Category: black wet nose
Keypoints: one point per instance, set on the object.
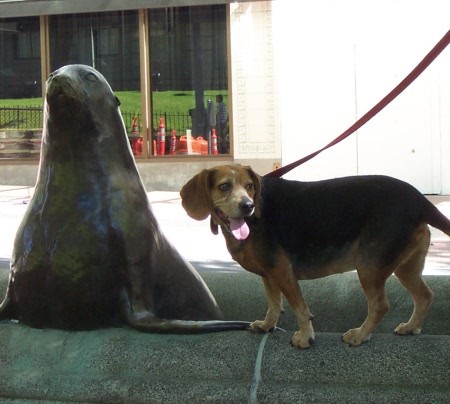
(246, 207)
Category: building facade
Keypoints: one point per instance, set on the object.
(166, 64)
(293, 76)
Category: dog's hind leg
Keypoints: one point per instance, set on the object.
(373, 284)
(409, 273)
(275, 307)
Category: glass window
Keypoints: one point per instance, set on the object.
(109, 42)
(20, 88)
(189, 83)
(188, 63)
(20, 67)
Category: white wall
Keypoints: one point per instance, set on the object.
(336, 60)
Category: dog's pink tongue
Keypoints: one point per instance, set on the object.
(239, 229)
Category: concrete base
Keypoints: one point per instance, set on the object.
(120, 365)
(158, 174)
(123, 365)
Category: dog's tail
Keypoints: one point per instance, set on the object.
(434, 217)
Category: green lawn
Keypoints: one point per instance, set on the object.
(181, 101)
(21, 102)
(172, 103)
(177, 102)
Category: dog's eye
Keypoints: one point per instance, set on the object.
(249, 187)
(225, 186)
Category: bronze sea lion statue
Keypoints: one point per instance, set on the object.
(88, 252)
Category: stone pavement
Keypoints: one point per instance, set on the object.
(123, 365)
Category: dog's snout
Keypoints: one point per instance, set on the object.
(247, 207)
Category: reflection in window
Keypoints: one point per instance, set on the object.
(188, 59)
(109, 42)
(20, 58)
(20, 88)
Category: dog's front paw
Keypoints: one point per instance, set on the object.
(303, 339)
(354, 337)
(407, 329)
(261, 326)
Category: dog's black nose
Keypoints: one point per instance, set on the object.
(246, 207)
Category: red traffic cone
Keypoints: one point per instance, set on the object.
(135, 137)
(161, 138)
(214, 142)
(173, 141)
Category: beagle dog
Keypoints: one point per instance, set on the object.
(287, 231)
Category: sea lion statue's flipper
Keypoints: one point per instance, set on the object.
(7, 309)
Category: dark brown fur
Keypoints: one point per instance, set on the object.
(304, 230)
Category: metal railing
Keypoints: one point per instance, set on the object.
(172, 121)
(26, 118)
(21, 128)
(30, 118)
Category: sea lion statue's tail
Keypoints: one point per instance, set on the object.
(162, 326)
(147, 322)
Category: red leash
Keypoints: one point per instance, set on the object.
(419, 69)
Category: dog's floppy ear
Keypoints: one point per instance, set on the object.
(196, 196)
(257, 185)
